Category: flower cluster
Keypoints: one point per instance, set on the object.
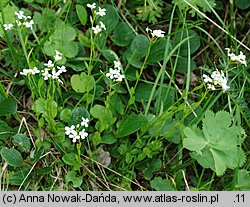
(21, 20)
(101, 12)
(217, 79)
(50, 70)
(155, 33)
(78, 131)
(241, 58)
(115, 73)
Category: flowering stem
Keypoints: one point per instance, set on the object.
(23, 47)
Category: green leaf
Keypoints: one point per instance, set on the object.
(139, 45)
(194, 42)
(157, 50)
(5, 130)
(153, 166)
(12, 157)
(243, 182)
(21, 141)
(130, 124)
(216, 146)
(123, 34)
(77, 114)
(81, 13)
(182, 63)
(96, 138)
(160, 184)
(3, 3)
(72, 176)
(110, 55)
(8, 106)
(70, 159)
(65, 115)
(108, 139)
(143, 92)
(242, 4)
(82, 83)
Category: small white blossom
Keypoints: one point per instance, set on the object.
(35, 70)
(83, 134)
(115, 74)
(61, 69)
(20, 15)
(58, 55)
(101, 12)
(49, 64)
(102, 25)
(91, 6)
(117, 64)
(211, 87)
(207, 78)
(8, 26)
(28, 24)
(120, 77)
(74, 136)
(19, 23)
(54, 74)
(85, 122)
(158, 33)
(46, 74)
(69, 130)
(97, 29)
(26, 72)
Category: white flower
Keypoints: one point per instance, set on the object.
(211, 87)
(102, 25)
(20, 15)
(207, 78)
(111, 73)
(19, 23)
(35, 70)
(49, 64)
(83, 134)
(91, 6)
(120, 77)
(54, 74)
(85, 122)
(224, 87)
(62, 69)
(8, 26)
(46, 74)
(26, 72)
(58, 55)
(28, 24)
(158, 33)
(241, 58)
(101, 12)
(97, 29)
(69, 130)
(74, 137)
(117, 64)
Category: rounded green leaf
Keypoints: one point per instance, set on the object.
(82, 83)
(21, 141)
(12, 157)
(77, 114)
(160, 184)
(108, 139)
(65, 115)
(242, 4)
(139, 45)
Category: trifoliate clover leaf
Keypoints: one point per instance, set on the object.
(217, 145)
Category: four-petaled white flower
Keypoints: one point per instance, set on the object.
(46, 75)
(102, 25)
(97, 29)
(91, 6)
(62, 69)
(117, 64)
(115, 74)
(101, 12)
(20, 15)
(35, 70)
(8, 26)
(83, 134)
(58, 55)
(50, 64)
(85, 122)
(28, 24)
(69, 130)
